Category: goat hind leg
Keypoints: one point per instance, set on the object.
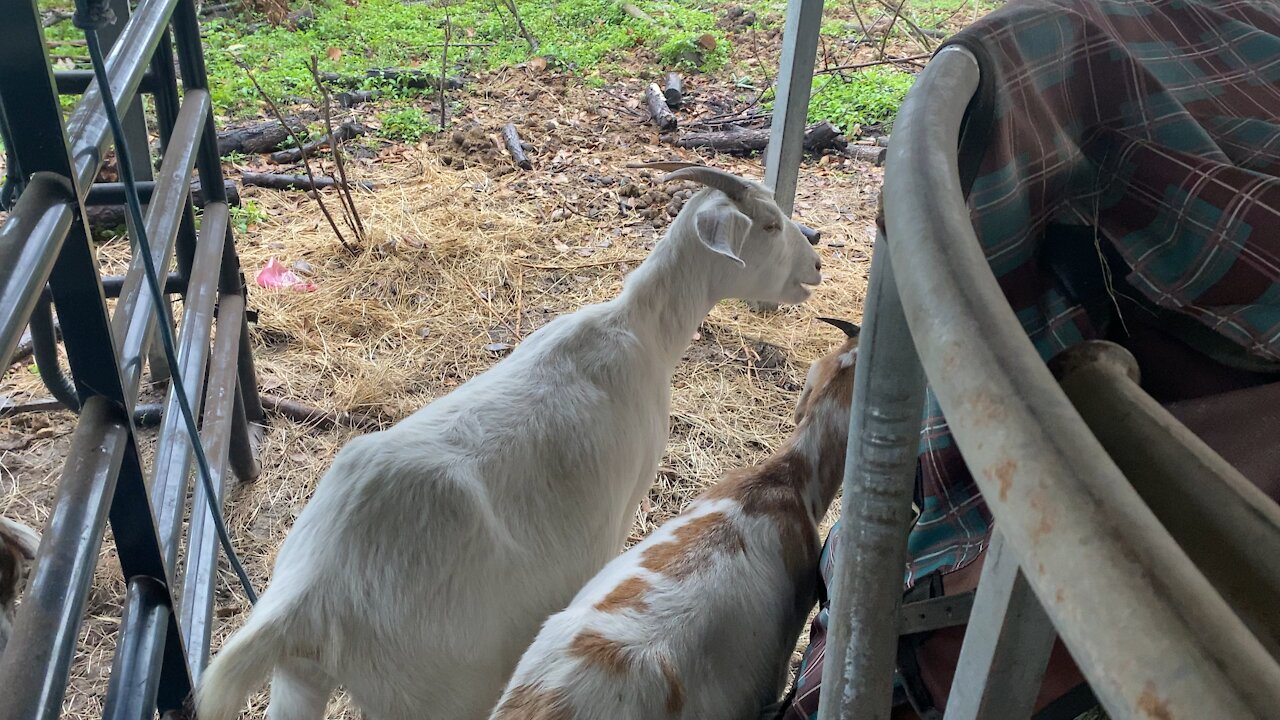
(300, 690)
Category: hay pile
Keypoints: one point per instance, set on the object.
(462, 261)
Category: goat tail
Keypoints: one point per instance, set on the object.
(243, 664)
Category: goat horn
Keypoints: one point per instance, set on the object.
(728, 183)
(850, 329)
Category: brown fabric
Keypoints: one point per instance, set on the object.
(1244, 428)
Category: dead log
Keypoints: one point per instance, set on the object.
(109, 216)
(404, 77)
(514, 146)
(818, 137)
(292, 182)
(315, 417)
(351, 98)
(343, 132)
(674, 91)
(259, 137)
(658, 110)
(873, 153)
(636, 13)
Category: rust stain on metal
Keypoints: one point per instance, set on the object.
(1059, 597)
(1045, 526)
(1151, 705)
(1003, 474)
(988, 409)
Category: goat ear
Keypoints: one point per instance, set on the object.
(719, 225)
(22, 538)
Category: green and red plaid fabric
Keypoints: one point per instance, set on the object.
(1156, 126)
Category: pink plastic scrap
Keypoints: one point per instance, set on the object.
(276, 275)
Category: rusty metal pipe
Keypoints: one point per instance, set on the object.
(1148, 630)
(1229, 528)
(884, 434)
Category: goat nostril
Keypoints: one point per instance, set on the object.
(817, 264)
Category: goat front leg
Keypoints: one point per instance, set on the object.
(300, 690)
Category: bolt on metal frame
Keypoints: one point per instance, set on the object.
(45, 247)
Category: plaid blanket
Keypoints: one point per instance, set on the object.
(1153, 129)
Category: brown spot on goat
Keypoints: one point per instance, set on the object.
(628, 595)
(596, 650)
(773, 490)
(695, 545)
(533, 702)
(675, 688)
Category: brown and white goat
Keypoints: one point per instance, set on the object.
(18, 545)
(699, 619)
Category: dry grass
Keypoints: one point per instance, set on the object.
(462, 256)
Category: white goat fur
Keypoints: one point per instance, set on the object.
(431, 552)
(18, 545)
(700, 618)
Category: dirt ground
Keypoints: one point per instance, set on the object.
(466, 256)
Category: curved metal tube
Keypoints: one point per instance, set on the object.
(1147, 629)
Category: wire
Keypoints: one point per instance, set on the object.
(89, 15)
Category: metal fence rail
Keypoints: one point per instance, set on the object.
(46, 250)
(1147, 627)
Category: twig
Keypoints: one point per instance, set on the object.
(658, 110)
(873, 63)
(350, 214)
(275, 110)
(519, 303)
(515, 13)
(444, 66)
(567, 268)
(315, 417)
(514, 146)
(920, 34)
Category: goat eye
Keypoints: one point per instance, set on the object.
(774, 227)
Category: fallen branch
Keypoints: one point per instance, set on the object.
(9, 409)
(820, 136)
(674, 91)
(315, 417)
(351, 98)
(444, 68)
(342, 133)
(109, 216)
(873, 63)
(514, 146)
(636, 13)
(293, 182)
(658, 110)
(921, 34)
(259, 137)
(404, 77)
(872, 153)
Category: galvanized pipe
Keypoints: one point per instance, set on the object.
(42, 212)
(132, 323)
(172, 465)
(132, 687)
(884, 435)
(1006, 645)
(1225, 523)
(76, 82)
(48, 621)
(220, 421)
(1147, 629)
(87, 127)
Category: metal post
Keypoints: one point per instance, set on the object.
(1006, 646)
(884, 435)
(791, 100)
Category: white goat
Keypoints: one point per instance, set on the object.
(700, 618)
(18, 545)
(431, 552)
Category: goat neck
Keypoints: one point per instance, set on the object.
(669, 294)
